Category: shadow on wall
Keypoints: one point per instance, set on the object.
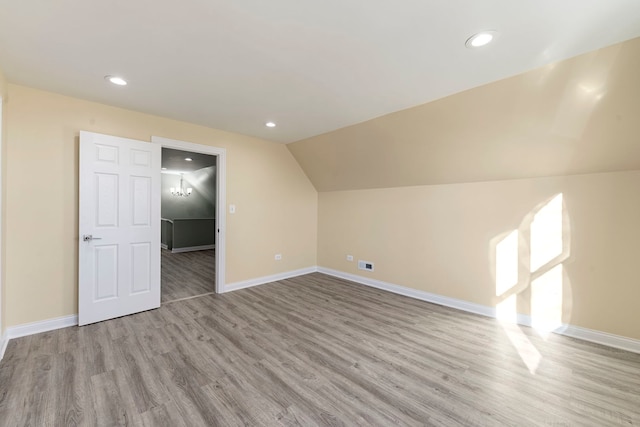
(530, 277)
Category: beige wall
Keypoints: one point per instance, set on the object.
(3, 166)
(575, 119)
(575, 116)
(442, 239)
(429, 192)
(276, 203)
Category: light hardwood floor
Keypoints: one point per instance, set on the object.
(309, 351)
(187, 274)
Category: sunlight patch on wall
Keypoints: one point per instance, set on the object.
(507, 263)
(584, 92)
(546, 233)
(546, 301)
(506, 310)
(528, 265)
(576, 107)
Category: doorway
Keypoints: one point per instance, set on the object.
(188, 199)
(193, 219)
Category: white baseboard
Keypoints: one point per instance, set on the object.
(164, 246)
(4, 340)
(36, 328)
(229, 287)
(63, 322)
(598, 337)
(603, 338)
(585, 334)
(42, 326)
(413, 293)
(192, 248)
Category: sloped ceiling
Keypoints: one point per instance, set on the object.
(576, 116)
(310, 66)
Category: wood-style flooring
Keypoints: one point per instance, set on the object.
(187, 274)
(312, 351)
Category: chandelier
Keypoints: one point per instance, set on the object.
(181, 191)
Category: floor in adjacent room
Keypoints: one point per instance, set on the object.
(187, 274)
(313, 350)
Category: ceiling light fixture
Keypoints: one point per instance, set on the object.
(480, 39)
(116, 80)
(182, 192)
(270, 124)
(188, 159)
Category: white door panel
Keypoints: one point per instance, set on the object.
(119, 268)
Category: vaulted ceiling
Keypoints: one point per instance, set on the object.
(576, 116)
(311, 67)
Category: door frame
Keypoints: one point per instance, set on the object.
(3, 338)
(221, 196)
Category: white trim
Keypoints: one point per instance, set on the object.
(3, 337)
(413, 293)
(41, 326)
(164, 246)
(35, 328)
(268, 279)
(192, 248)
(603, 338)
(221, 195)
(63, 322)
(4, 340)
(578, 332)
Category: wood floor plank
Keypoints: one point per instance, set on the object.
(187, 274)
(313, 351)
(294, 417)
(72, 402)
(185, 387)
(112, 400)
(165, 415)
(146, 388)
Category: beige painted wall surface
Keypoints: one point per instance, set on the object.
(443, 238)
(576, 116)
(276, 203)
(3, 94)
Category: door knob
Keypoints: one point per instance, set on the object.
(89, 237)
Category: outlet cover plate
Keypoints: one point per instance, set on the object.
(365, 265)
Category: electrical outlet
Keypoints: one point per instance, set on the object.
(365, 265)
(349, 257)
(278, 257)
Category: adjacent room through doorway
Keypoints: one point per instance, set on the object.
(188, 233)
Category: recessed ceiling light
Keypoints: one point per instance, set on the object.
(188, 159)
(270, 124)
(480, 39)
(116, 80)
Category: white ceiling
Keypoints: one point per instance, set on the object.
(310, 66)
(173, 161)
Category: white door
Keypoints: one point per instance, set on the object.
(119, 227)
